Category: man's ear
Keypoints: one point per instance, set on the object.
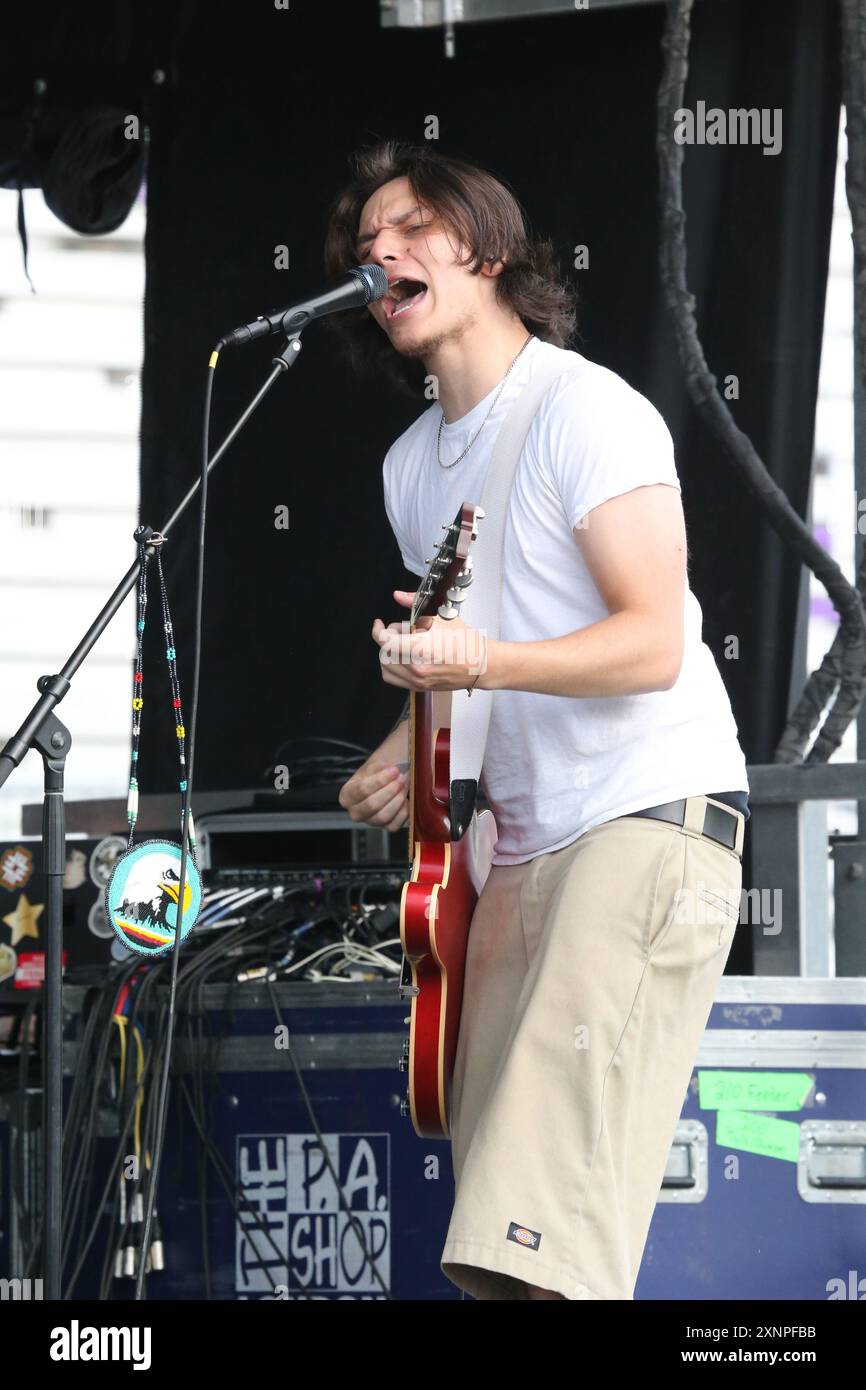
(491, 266)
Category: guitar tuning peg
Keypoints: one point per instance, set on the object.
(455, 596)
(447, 610)
(480, 513)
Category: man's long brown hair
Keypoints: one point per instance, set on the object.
(484, 216)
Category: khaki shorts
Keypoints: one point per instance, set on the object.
(590, 976)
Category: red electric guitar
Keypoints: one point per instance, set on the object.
(447, 874)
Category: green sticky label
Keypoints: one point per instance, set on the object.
(753, 1090)
(758, 1134)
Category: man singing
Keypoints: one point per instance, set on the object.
(612, 763)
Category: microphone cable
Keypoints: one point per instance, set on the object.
(162, 1103)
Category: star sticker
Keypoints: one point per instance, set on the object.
(23, 920)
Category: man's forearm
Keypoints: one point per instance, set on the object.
(402, 721)
(621, 655)
(395, 748)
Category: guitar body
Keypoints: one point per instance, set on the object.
(447, 873)
(435, 916)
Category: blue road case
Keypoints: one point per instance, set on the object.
(277, 1223)
(764, 1196)
(765, 1193)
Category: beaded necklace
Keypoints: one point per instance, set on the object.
(145, 884)
(138, 686)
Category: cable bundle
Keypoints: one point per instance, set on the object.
(338, 928)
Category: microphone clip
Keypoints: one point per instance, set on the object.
(290, 353)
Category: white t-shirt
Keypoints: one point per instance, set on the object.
(555, 766)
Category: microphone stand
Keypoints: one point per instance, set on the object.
(45, 733)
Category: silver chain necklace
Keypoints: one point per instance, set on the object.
(486, 418)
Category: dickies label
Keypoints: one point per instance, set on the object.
(523, 1236)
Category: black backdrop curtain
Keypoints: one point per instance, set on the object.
(250, 136)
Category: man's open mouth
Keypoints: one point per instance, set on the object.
(402, 296)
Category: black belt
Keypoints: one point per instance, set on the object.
(720, 824)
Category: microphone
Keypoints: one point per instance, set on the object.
(362, 285)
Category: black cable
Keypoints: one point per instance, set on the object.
(198, 1109)
(191, 981)
(119, 1238)
(24, 1217)
(270, 923)
(228, 1182)
(83, 1126)
(147, 1128)
(119, 1233)
(148, 1140)
(132, 1195)
(107, 1272)
(109, 1180)
(95, 1048)
(359, 1232)
(198, 1067)
(92, 1079)
(359, 754)
(226, 1177)
(162, 1110)
(150, 976)
(37, 1233)
(71, 1119)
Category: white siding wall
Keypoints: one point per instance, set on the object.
(70, 362)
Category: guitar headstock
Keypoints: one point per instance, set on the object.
(442, 590)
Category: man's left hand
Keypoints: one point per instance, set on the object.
(441, 654)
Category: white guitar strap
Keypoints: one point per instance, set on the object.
(470, 713)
